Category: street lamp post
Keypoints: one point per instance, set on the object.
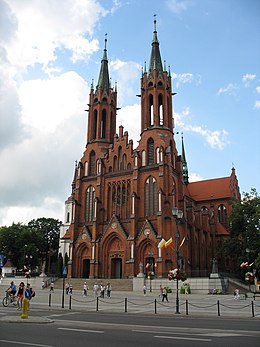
(177, 214)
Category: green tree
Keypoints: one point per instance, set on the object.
(48, 231)
(20, 244)
(244, 241)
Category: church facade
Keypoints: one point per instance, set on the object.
(122, 199)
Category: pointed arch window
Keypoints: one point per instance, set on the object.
(222, 214)
(150, 150)
(103, 124)
(115, 163)
(157, 155)
(160, 109)
(143, 158)
(120, 158)
(90, 204)
(94, 135)
(151, 112)
(92, 160)
(150, 197)
(124, 162)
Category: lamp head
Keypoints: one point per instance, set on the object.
(177, 213)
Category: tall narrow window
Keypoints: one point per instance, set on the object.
(92, 159)
(103, 124)
(143, 158)
(95, 125)
(150, 197)
(124, 162)
(160, 109)
(222, 214)
(90, 204)
(150, 145)
(115, 163)
(157, 155)
(119, 158)
(151, 112)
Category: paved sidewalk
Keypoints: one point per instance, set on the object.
(196, 305)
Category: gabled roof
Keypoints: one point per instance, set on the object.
(68, 234)
(218, 188)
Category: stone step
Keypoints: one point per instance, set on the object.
(116, 284)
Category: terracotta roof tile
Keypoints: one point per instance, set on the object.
(68, 234)
(217, 188)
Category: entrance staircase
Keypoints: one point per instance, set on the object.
(77, 283)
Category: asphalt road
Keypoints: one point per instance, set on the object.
(82, 325)
(69, 329)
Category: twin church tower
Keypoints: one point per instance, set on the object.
(122, 197)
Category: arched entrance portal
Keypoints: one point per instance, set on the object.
(116, 268)
(85, 268)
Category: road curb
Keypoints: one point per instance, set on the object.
(15, 319)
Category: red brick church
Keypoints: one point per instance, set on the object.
(122, 200)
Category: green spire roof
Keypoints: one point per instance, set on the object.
(103, 80)
(155, 59)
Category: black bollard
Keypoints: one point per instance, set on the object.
(125, 304)
(187, 308)
(97, 304)
(155, 306)
(50, 300)
(253, 308)
(218, 308)
(70, 303)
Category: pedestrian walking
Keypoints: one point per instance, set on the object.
(95, 289)
(236, 294)
(144, 289)
(85, 289)
(164, 294)
(108, 289)
(67, 287)
(52, 287)
(20, 295)
(102, 290)
(70, 288)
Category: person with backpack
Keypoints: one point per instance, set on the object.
(29, 294)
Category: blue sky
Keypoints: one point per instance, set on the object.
(50, 51)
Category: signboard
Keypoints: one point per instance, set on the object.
(65, 271)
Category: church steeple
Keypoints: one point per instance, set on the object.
(185, 173)
(155, 59)
(102, 106)
(156, 91)
(103, 80)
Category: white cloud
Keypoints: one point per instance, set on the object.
(217, 139)
(247, 78)
(230, 89)
(184, 78)
(43, 27)
(178, 6)
(49, 207)
(258, 89)
(194, 177)
(125, 74)
(48, 102)
(257, 104)
(130, 117)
